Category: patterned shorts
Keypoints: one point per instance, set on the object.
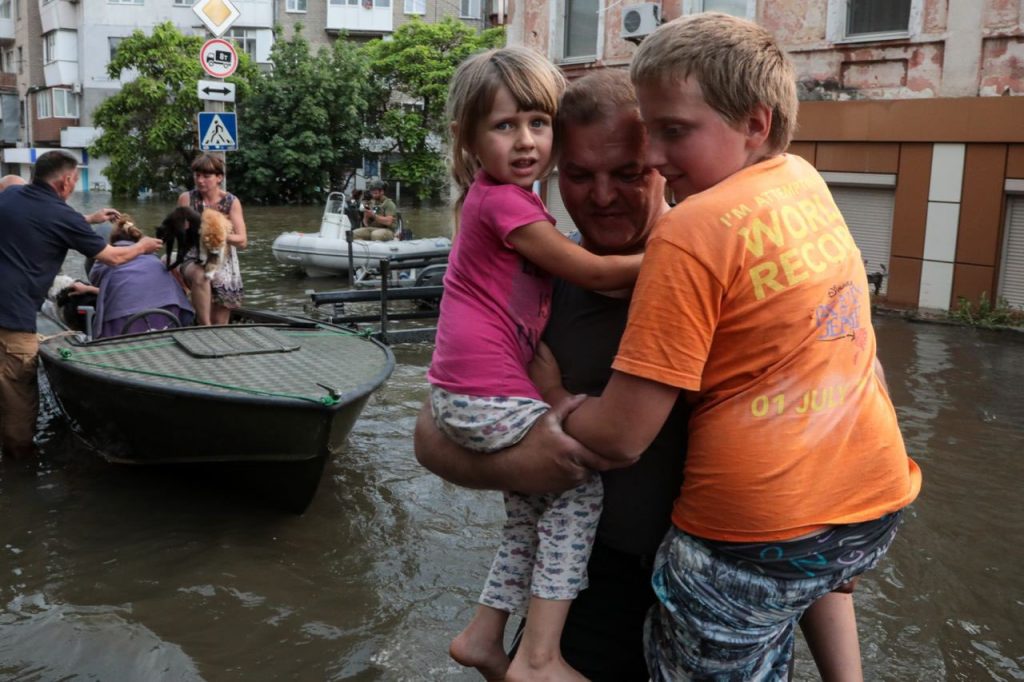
(720, 619)
(482, 423)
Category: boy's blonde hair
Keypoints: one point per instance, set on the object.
(737, 64)
(534, 82)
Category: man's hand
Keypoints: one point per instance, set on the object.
(150, 244)
(102, 216)
(547, 460)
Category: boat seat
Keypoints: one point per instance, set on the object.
(221, 342)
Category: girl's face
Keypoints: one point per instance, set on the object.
(513, 146)
(207, 182)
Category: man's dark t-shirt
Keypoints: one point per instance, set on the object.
(37, 230)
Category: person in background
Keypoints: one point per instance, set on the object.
(39, 228)
(141, 284)
(379, 215)
(614, 200)
(213, 299)
(354, 209)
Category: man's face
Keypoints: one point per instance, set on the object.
(376, 194)
(612, 197)
(689, 142)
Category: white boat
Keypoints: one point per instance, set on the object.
(326, 252)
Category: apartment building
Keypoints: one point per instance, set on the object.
(911, 109)
(54, 56)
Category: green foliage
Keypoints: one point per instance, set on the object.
(984, 313)
(149, 127)
(304, 123)
(418, 62)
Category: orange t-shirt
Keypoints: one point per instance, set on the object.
(753, 295)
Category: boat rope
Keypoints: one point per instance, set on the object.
(68, 355)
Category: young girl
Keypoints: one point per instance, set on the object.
(501, 105)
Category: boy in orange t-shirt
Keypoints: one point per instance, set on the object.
(753, 298)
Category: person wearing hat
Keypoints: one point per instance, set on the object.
(379, 215)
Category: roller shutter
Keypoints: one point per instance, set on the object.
(1011, 271)
(556, 207)
(868, 214)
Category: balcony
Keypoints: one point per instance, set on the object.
(57, 14)
(344, 15)
(6, 29)
(8, 80)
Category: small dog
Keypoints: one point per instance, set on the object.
(180, 234)
(213, 240)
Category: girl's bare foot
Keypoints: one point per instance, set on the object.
(475, 649)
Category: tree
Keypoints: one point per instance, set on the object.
(149, 126)
(418, 62)
(307, 122)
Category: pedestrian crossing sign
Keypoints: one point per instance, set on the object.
(218, 131)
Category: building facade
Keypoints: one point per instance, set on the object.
(911, 109)
(54, 56)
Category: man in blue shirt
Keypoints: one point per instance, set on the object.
(39, 228)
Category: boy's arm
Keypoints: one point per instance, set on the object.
(545, 461)
(621, 423)
(547, 248)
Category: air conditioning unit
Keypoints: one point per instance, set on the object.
(76, 88)
(640, 20)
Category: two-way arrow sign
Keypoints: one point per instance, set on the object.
(216, 91)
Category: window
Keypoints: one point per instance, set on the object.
(415, 6)
(580, 37)
(10, 65)
(114, 42)
(124, 2)
(382, 3)
(469, 9)
(877, 16)
(296, 6)
(50, 47)
(737, 8)
(65, 104)
(245, 39)
(21, 62)
(182, 3)
(43, 104)
(5, 9)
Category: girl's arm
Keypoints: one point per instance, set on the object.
(238, 237)
(547, 248)
(621, 424)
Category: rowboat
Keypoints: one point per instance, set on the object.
(331, 251)
(268, 398)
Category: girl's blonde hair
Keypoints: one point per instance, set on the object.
(534, 82)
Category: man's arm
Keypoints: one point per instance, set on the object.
(115, 255)
(545, 461)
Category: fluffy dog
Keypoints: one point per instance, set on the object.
(180, 233)
(213, 240)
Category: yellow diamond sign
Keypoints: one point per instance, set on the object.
(216, 15)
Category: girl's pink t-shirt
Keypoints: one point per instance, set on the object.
(496, 303)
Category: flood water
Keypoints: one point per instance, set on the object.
(110, 573)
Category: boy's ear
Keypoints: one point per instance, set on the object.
(758, 125)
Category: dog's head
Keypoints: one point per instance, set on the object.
(180, 233)
(214, 230)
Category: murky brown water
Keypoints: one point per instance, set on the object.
(115, 574)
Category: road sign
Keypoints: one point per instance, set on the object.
(218, 131)
(216, 91)
(218, 57)
(216, 15)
